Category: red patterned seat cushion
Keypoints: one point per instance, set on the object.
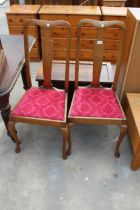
(95, 102)
(42, 103)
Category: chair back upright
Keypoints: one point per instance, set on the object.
(47, 49)
(98, 49)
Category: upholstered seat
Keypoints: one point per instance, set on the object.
(95, 102)
(42, 103)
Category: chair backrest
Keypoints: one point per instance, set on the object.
(47, 49)
(98, 49)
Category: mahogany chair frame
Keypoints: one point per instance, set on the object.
(97, 66)
(47, 57)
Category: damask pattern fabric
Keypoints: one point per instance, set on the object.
(95, 102)
(42, 103)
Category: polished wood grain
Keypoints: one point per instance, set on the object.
(86, 55)
(23, 9)
(73, 20)
(16, 16)
(86, 32)
(18, 30)
(70, 10)
(114, 13)
(86, 43)
(72, 14)
(18, 19)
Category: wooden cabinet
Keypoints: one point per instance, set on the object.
(129, 80)
(72, 14)
(133, 115)
(16, 15)
(112, 35)
(114, 3)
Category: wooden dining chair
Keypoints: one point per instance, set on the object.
(45, 105)
(95, 104)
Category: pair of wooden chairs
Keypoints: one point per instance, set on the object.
(47, 105)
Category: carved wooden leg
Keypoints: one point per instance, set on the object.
(12, 130)
(123, 129)
(64, 131)
(23, 75)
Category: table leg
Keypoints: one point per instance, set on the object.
(23, 75)
(5, 110)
